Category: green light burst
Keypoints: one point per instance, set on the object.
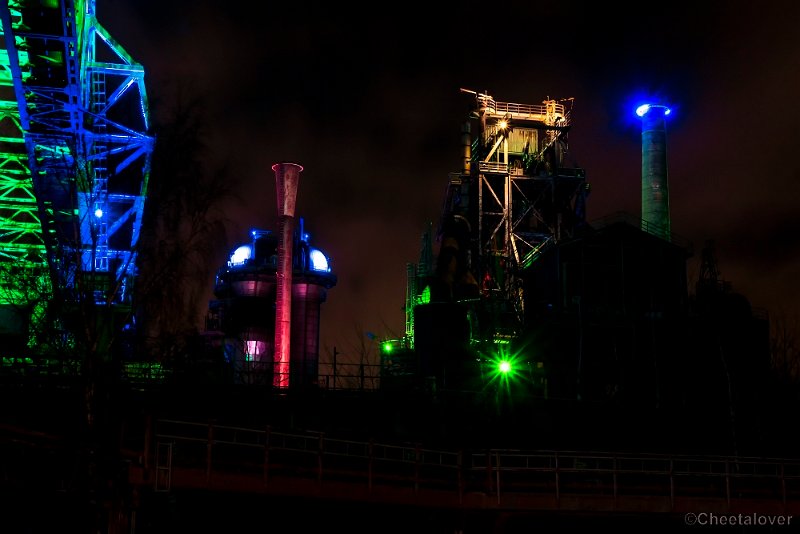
(505, 367)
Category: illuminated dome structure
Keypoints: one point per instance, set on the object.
(244, 311)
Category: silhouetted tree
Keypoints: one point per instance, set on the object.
(184, 229)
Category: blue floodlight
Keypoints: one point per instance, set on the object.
(642, 110)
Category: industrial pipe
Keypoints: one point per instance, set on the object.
(287, 177)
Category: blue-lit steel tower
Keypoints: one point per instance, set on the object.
(74, 157)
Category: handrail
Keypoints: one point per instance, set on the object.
(510, 459)
(277, 461)
(550, 112)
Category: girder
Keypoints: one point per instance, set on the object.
(75, 148)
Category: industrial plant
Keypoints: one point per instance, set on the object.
(268, 302)
(548, 362)
(585, 332)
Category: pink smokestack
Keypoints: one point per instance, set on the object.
(287, 176)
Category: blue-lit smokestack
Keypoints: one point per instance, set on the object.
(655, 186)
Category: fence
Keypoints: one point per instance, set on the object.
(497, 473)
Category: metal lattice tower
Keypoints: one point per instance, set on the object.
(516, 190)
(75, 156)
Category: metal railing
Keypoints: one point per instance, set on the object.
(493, 167)
(548, 112)
(352, 376)
(498, 473)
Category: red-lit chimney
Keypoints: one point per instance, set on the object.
(287, 176)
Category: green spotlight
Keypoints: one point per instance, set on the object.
(504, 367)
(386, 347)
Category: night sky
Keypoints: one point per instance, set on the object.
(366, 98)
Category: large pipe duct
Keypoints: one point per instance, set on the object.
(466, 148)
(655, 186)
(287, 177)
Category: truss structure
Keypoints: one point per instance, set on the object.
(74, 151)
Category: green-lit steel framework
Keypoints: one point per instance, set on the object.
(74, 155)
